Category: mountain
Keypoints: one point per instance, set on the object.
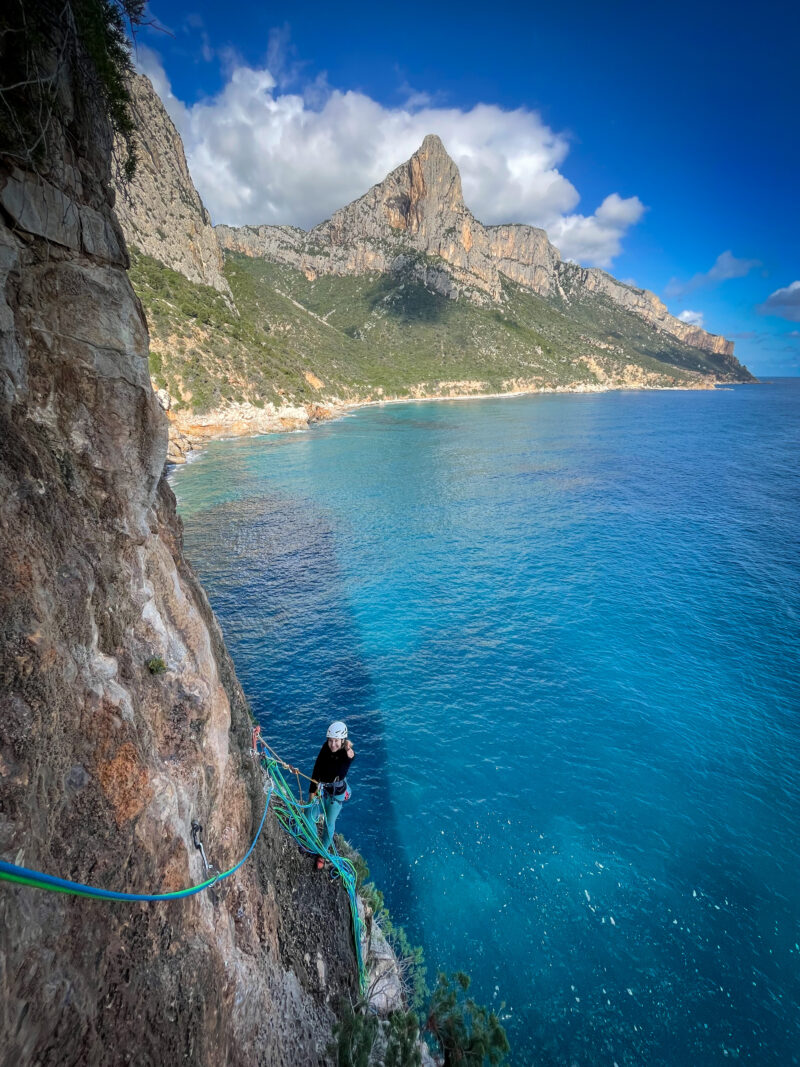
(418, 210)
(402, 293)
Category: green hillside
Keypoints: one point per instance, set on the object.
(292, 339)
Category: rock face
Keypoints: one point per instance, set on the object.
(417, 214)
(160, 210)
(103, 764)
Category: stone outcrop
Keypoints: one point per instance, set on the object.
(417, 213)
(104, 763)
(189, 431)
(160, 210)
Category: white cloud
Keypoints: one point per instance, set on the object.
(598, 238)
(258, 154)
(728, 266)
(725, 266)
(785, 303)
(694, 318)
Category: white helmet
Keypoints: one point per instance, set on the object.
(338, 731)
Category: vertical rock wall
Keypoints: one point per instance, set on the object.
(103, 765)
(160, 210)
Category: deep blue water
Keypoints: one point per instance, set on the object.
(563, 632)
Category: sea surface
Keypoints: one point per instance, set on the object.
(564, 633)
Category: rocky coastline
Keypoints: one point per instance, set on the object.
(190, 432)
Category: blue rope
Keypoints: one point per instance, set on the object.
(24, 876)
(293, 818)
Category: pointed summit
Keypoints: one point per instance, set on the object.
(418, 202)
(432, 142)
(433, 187)
(415, 224)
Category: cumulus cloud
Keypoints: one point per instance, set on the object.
(694, 318)
(725, 266)
(596, 238)
(785, 303)
(261, 154)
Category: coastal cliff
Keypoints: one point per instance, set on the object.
(121, 717)
(401, 294)
(420, 208)
(161, 212)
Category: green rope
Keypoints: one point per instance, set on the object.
(10, 872)
(293, 816)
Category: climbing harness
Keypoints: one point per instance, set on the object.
(292, 814)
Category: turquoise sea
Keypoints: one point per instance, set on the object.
(564, 631)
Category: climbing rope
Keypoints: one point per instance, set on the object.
(292, 814)
(10, 872)
(257, 740)
(295, 818)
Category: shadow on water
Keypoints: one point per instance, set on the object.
(270, 569)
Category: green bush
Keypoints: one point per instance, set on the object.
(354, 1035)
(464, 1032)
(362, 1039)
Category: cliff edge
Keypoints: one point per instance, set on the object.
(103, 763)
(161, 212)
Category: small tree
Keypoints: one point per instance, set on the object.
(354, 1037)
(465, 1032)
(402, 1041)
(364, 1040)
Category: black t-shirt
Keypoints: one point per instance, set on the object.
(331, 766)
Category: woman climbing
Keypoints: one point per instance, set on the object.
(330, 772)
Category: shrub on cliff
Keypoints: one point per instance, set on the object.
(463, 1031)
(364, 1040)
(44, 42)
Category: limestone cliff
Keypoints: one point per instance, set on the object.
(160, 210)
(419, 208)
(103, 764)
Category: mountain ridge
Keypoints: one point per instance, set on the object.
(402, 293)
(161, 211)
(420, 206)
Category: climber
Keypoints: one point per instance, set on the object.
(330, 773)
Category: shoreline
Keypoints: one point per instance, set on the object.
(189, 433)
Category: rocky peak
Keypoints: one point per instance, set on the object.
(416, 220)
(430, 187)
(418, 203)
(160, 210)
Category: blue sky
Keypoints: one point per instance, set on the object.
(662, 143)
